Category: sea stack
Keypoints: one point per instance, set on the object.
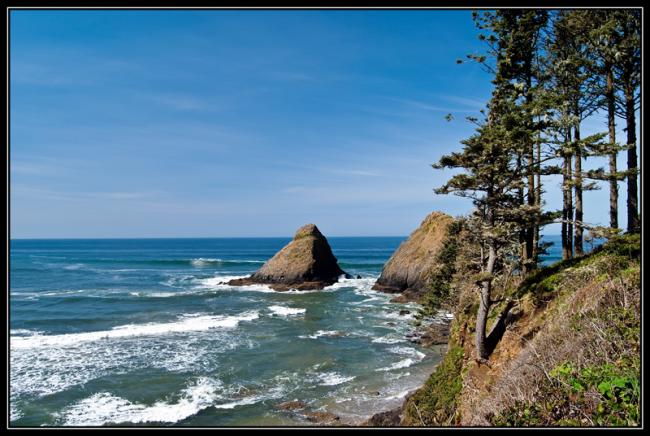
(409, 269)
(306, 262)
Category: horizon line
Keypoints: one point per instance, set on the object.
(210, 237)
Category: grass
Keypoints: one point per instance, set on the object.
(435, 402)
(579, 364)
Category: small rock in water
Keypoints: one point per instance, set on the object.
(391, 323)
(404, 312)
(292, 405)
(323, 417)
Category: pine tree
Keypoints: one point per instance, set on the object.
(627, 71)
(490, 180)
(514, 37)
(603, 40)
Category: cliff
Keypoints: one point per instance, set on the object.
(410, 269)
(568, 356)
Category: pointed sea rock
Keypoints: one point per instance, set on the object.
(409, 269)
(306, 262)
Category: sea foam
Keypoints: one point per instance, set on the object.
(186, 323)
(105, 408)
(286, 311)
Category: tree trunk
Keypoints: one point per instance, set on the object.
(567, 208)
(530, 230)
(530, 151)
(611, 125)
(632, 196)
(538, 202)
(522, 230)
(486, 288)
(577, 240)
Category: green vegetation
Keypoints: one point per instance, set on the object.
(602, 387)
(435, 402)
(583, 319)
(440, 283)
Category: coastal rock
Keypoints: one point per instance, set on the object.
(292, 405)
(433, 334)
(390, 418)
(306, 262)
(323, 418)
(410, 268)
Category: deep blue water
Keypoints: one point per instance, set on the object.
(131, 331)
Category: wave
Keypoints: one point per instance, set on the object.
(360, 285)
(287, 311)
(105, 408)
(407, 351)
(74, 266)
(388, 340)
(195, 262)
(398, 365)
(207, 262)
(220, 283)
(333, 379)
(326, 333)
(23, 332)
(187, 323)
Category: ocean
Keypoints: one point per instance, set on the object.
(135, 332)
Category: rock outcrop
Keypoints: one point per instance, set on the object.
(409, 269)
(306, 262)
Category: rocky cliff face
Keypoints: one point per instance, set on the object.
(306, 262)
(409, 269)
(568, 357)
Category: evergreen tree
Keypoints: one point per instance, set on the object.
(628, 74)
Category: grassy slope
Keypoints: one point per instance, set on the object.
(570, 357)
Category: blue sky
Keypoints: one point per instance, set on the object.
(240, 123)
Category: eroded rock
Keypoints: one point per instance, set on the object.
(305, 263)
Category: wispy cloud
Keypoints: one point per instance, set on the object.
(471, 103)
(23, 192)
(179, 102)
(429, 106)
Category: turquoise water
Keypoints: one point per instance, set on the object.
(142, 332)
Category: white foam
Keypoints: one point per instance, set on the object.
(398, 395)
(23, 332)
(244, 402)
(105, 408)
(396, 316)
(407, 351)
(43, 371)
(14, 412)
(287, 311)
(74, 266)
(203, 262)
(333, 379)
(157, 294)
(220, 283)
(319, 333)
(57, 293)
(388, 340)
(401, 364)
(360, 285)
(186, 323)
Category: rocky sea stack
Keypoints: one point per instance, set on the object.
(306, 262)
(410, 268)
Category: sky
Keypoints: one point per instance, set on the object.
(225, 123)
